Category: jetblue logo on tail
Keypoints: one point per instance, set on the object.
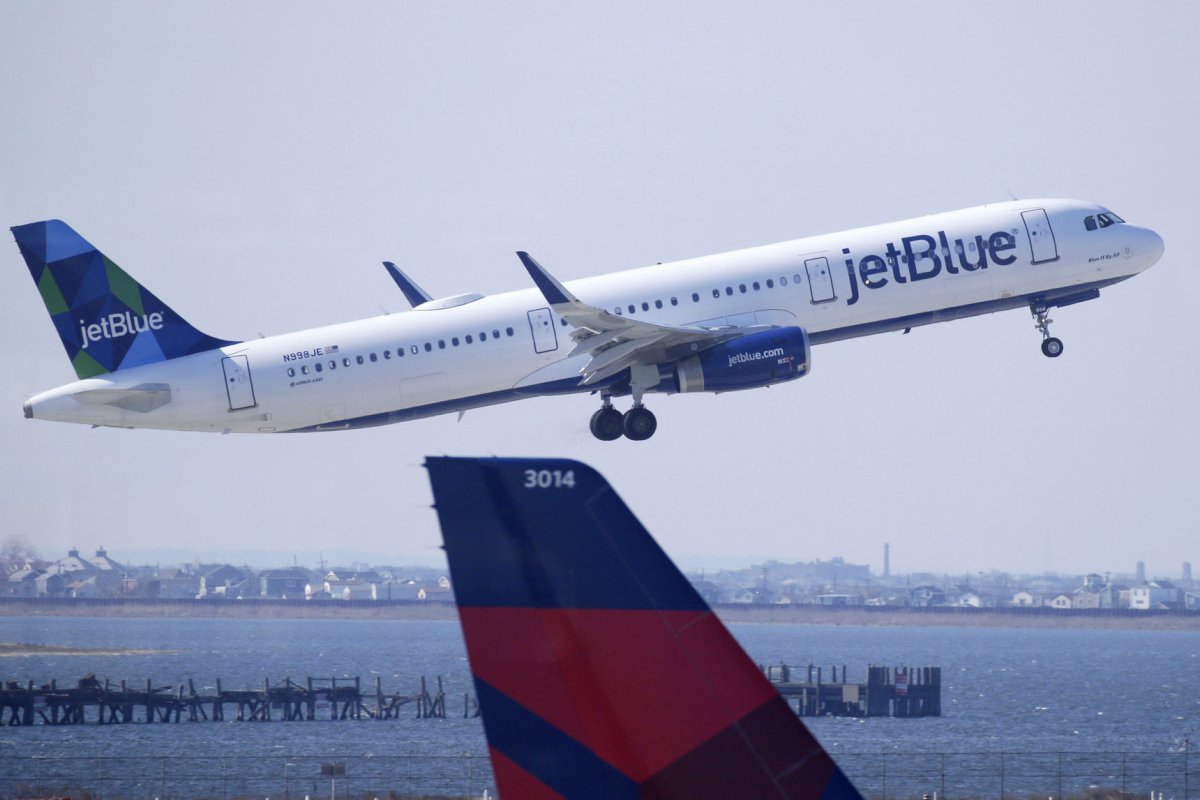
(117, 325)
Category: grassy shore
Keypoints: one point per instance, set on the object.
(771, 615)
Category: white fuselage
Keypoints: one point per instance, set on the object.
(465, 352)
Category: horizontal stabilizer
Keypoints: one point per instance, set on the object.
(600, 671)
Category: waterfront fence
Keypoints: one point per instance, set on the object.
(879, 776)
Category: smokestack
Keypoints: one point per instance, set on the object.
(1187, 572)
(1141, 572)
(887, 560)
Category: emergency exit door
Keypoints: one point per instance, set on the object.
(238, 386)
(1041, 237)
(541, 324)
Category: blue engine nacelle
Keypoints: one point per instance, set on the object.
(756, 359)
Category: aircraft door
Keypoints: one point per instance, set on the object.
(541, 324)
(820, 281)
(1041, 236)
(238, 386)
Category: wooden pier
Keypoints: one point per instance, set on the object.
(888, 692)
(105, 703)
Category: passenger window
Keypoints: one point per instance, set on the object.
(742, 288)
(632, 308)
(755, 286)
(972, 250)
(304, 370)
(509, 331)
(428, 347)
(770, 283)
(783, 280)
(674, 301)
(495, 333)
(716, 293)
(346, 361)
(441, 344)
(399, 352)
(291, 372)
(454, 341)
(561, 321)
(729, 291)
(1090, 223)
(359, 359)
(317, 366)
(483, 336)
(658, 303)
(332, 364)
(695, 297)
(469, 340)
(618, 311)
(796, 278)
(414, 349)
(373, 358)
(387, 355)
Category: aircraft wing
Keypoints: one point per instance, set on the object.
(615, 342)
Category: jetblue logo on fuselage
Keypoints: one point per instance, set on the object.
(115, 326)
(921, 257)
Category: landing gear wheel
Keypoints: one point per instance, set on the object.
(1052, 347)
(639, 424)
(607, 424)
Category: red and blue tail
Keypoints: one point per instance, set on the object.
(601, 673)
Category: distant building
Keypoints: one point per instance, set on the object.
(1025, 599)
(283, 583)
(924, 596)
(1061, 601)
(1155, 594)
(1085, 599)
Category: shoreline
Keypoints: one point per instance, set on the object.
(858, 616)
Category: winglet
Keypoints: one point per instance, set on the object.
(555, 292)
(414, 294)
(600, 670)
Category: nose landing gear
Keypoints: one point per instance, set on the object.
(1052, 346)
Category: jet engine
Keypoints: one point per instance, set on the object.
(756, 359)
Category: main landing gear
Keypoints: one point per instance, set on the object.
(1052, 346)
(636, 424)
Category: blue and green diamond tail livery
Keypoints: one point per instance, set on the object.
(106, 320)
(601, 673)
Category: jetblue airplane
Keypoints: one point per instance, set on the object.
(736, 320)
(600, 672)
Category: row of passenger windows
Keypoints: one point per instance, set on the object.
(741, 288)
(399, 352)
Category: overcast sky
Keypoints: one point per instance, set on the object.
(252, 163)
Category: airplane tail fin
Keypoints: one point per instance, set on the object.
(107, 320)
(600, 672)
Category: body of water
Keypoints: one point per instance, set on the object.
(1011, 697)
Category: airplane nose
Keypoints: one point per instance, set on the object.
(1154, 246)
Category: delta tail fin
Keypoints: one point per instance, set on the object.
(600, 672)
(107, 320)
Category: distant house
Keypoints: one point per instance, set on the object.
(22, 583)
(1025, 599)
(925, 596)
(222, 581)
(1155, 594)
(283, 583)
(1060, 601)
(51, 585)
(839, 600)
(1085, 599)
(170, 584)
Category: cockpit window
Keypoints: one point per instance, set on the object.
(1101, 220)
